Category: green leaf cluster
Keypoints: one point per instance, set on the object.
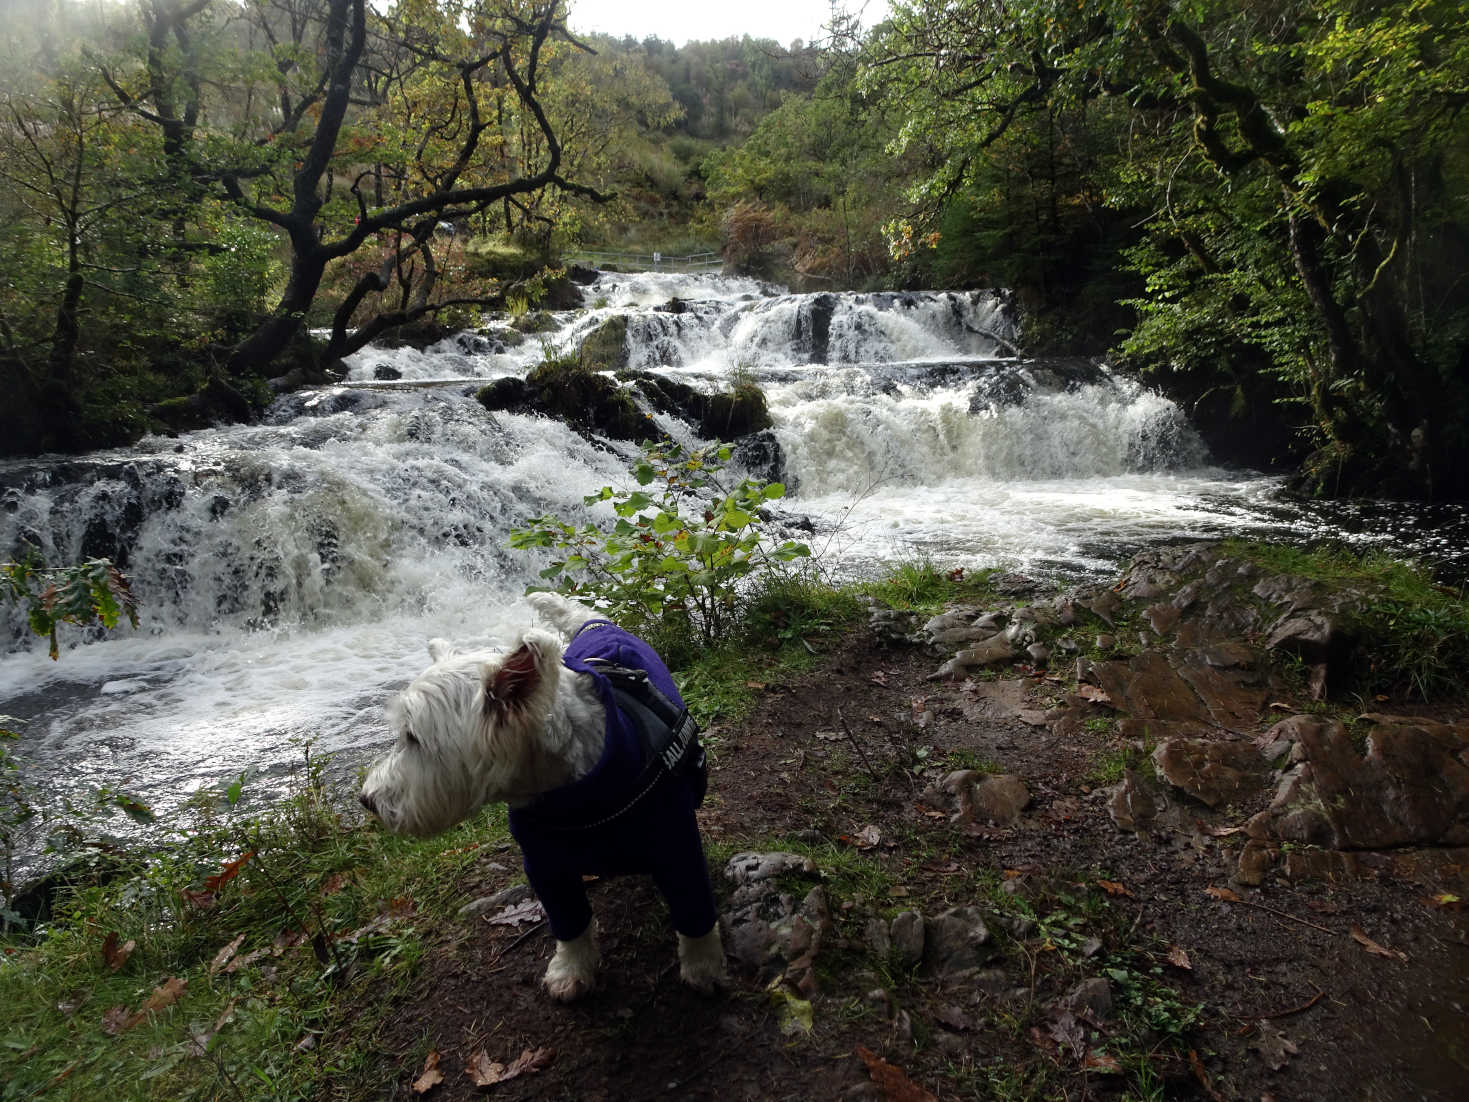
(677, 558)
(93, 592)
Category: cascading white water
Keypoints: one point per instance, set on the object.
(290, 572)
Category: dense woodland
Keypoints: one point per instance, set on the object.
(1263, 207)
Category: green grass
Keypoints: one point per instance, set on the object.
(920, 586)
(339, 916)
(1417, 632)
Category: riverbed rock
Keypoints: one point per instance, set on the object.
(1410, 787)
(985, 653)
(955, 942)
(997, 799)
(1218, 773)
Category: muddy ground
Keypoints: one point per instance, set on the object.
(1118, 963)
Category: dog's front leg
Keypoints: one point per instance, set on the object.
(701, 961)
(572, 972)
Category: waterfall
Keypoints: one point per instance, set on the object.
(290, 572)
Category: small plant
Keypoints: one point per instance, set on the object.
(680, 552)
(93, 592)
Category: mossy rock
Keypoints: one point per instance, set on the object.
(589, 402)
(535, 321)
(605, 347)
(729, 415)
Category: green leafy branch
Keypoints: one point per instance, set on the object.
(93, 592)
(679, 549)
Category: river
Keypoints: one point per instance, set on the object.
(290, 572)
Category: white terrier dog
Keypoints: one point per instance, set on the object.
(595, 754)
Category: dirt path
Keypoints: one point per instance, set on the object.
(1090, 961)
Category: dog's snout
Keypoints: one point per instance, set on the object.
(366, 801)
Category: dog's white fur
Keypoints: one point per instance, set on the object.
(489, 727)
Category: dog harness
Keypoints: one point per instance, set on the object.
(634, 812)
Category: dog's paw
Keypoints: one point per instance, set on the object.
(701, 962)
(572, 972)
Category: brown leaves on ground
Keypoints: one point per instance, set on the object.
(1361, 938)
(1274, 1047)
(431, 1076)
(115, 955)
(527, 910)
(118, 1020)
(1225, 895)
(1178, 958)
(891, 1079)
(484, 1072)
(1113, 887)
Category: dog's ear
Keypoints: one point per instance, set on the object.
(517, 679)
(439, 649)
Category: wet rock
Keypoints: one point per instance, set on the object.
(749, 868)
(876, 937)
(1104, 605)
(1131, 803)
(1039, 653)
(1411, 787)
(1092, 995)
(955, 942)
(894, 625)
(386, 373)
(1255, 860)
(768, 935)
(1163, 618)
(605, 347)
(906, 933)
(505, 897)
(1148, 687)
(994, 649)
(1215, 772)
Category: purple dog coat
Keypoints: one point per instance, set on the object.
(588, 827)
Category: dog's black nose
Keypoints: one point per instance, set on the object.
(366, 801)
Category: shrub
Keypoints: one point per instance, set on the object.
(674, 565)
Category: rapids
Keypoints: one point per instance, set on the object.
(290, 572)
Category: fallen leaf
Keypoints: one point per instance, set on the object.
(1448, 901)
(754, 685)
(868, 837)
(1011, 874)
(166, 994)
(203, 900)
(1197, 1067)
(287, 939)
(245, 961)
(1092, 693)
(1223, 893)
(891, 1079)
(527, 910)
(229, 872)
(1103, 1062)
(115, 955)
(1178, 957)
(1273, 1046)
(1112, 887)
(484, 1072)
(957, 574)
(115, 1020)
(431, 1076)
(1374, 948)
(224, 956)
(334, 883)
(879, 678)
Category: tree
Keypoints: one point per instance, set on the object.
(309, 153)
(1309, 157)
